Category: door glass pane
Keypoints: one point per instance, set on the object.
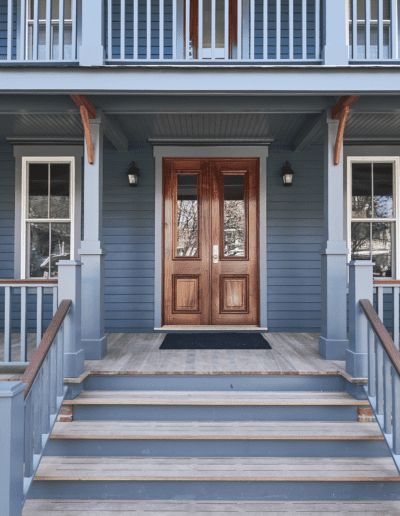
(39, 250)
(382, 248)
(59, 191)
(60, 245)
(38, 191)
(207, 23)
(361, 191)
(219, 23)
(383, 190)
(360, 240)
(234, 215)
(187, 216)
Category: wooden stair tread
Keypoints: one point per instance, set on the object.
(188, 508)
(214, 469)
(301, 430)
(264, 398)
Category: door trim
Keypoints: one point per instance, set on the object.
(237, 151)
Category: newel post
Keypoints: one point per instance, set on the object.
(335, 50)
(11, 448)
(360, 287)
(69, 287)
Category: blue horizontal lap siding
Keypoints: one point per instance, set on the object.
(4, 29)
(295, 218)
(128, 234)
(258, 29)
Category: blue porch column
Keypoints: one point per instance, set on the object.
(336, 50)
(333, 341)
(92, 251)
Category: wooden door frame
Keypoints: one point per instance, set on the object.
(210, 151)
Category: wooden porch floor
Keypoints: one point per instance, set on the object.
(139, 353)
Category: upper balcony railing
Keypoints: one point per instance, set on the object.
(98, 32)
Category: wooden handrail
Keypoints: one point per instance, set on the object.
(41, 351)
(28, 281)
(386, 282)
(381, 332)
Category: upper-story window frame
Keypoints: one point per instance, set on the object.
(395, 160)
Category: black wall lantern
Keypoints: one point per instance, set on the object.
(133, 174)
(287, 174)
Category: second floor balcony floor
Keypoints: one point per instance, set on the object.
(199, 32)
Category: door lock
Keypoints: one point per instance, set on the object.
(215, 254)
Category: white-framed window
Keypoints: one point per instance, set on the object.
(47, 219)
(373, 212)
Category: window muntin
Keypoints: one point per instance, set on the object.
(48, 224)
(373, 215)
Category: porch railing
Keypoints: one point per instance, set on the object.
(39, 31)
(383, 388)
(213, 30)
(373, 30)
(16, 314)
(44, 393)
(389, 290)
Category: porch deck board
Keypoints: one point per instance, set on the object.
(291, 353)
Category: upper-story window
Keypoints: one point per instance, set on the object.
(374, 213)
(48, 207)
(49, 29)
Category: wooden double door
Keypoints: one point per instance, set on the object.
(211, 249)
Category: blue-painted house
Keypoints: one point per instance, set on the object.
(199, 165)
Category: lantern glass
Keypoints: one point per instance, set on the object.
(133, 179)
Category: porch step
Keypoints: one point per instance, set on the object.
(243, 478)
(210, 430)
(217, 439)
(216, 406)
(189, 508)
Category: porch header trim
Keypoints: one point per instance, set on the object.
(210, 141)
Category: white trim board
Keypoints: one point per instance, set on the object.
(239, 151)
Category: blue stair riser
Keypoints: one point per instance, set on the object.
(224, 382)
(213, 448)
(218, 490)
(214, 413)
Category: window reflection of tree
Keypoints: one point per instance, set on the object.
(234, 228)
(187, 227)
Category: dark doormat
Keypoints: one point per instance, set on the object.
(214, 341)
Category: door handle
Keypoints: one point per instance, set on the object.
(215, 254)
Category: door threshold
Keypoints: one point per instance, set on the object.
(209, 328)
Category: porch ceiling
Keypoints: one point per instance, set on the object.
(282, 119)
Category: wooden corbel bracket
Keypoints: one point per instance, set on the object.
(341, 112)
(88, 111)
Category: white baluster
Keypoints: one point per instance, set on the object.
(61, 30)
(28, 440)
(253, 27)
(367, 29)
(187, 29)
(22, 33)
(49, 6)
(74, 22)
(38, 404)
(7, 325)
(39, 314)
(53, 378)
(161, 30)
(109, 28)
(24, 335)
(213, 13)
(278, 29)
(174, 42)
(317, 29)
(148, 31)
(35, 29)
(200, 43)
(396, 412)
(122, 30)
(379, 378)
(46, 397)
(354, 29)
(393, 29)
(371, 363)
(380, 29)
(304, 29)
(10, 17)
(380, 302)
(136, 29)
(239, 29)
(290, 29)
(226, 29)
(387, 395)
(265, 30)
(55, 300)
